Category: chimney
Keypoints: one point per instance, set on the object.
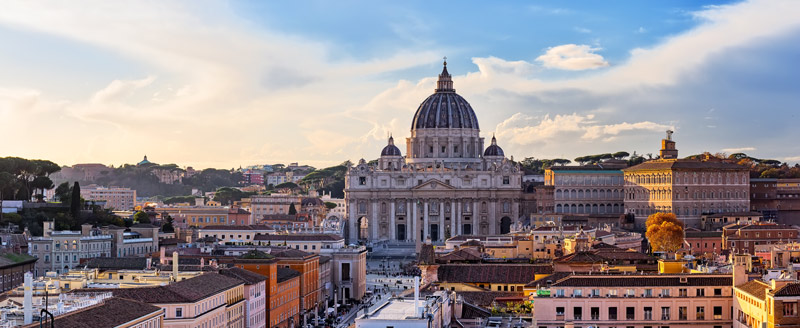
(740, 269)
(28, 299)
(163, 257)
(202, 263)
(417, 312)
(175, 266)
(86, 229)
(149, 263)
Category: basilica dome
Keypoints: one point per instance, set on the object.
(445, 109)
(390, 149)
(493, 149)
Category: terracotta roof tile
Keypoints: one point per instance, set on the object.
(249, 277)
(491, 273)
(643, 280)
(792, 289)
(757, 288)
(286, 274)
(112, 312)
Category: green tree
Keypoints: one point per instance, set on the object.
(42, 183)
(75, 204)
(330, 205)
(292, 210)
(141, 217)
(63, 192)
(620, 154)
(168, 225)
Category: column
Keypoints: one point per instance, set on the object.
(441, 220)
(460, 223)
(453, 232)
(351, 222)
(492, 216)
(476, 223)
(408, 220)
(373, 223)
(426, 232)
(414, 229)
(392, 224)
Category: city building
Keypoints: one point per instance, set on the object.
(447, 184)
(201, 216)
(743, 238)
(632, 300)
(314, 243)
(308, 266)
(261, 205)
(140, 239)
(435, 311)
(234, 233)
(688, 188)
(703, 243)
(13, 268)
(716, 221)
(114, 197)
(111, 312)
(282, 288)
(208, 300)
(590, 189)
(60, 251)
(764, 197)
(255, 295)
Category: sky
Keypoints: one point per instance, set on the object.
(228, 84)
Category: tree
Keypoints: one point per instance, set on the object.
(664, 232)
(292, 210)
(63, 192)
(75, 200)
(168, 226)
(42, 183)
(620, 155)
(141, 217)
(330, 205)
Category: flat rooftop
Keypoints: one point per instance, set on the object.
(396, 309)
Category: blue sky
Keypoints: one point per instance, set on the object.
(223, 84)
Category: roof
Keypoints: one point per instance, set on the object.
(729, 214)
(470, 243)
(643, 280)
(117, 263)
(249, 277)
(759, 226)
(461, 255)
(123, 310)
(286, 274)
(144, 225)
(491, 273)
(171, 241)
(288, 252)
(485, 298)
(603, 255)
(11, 259)
(792, 289)
(703, 234)
(300, 237)
(494, 149)
(684, 164)
(391, 149)
(189, 290)
(551, 278)
(426, 254)
(757, 288)
(324, 259)
(227, 227)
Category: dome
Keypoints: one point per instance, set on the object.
(311, 201)
(444, 109)
(391, 149)
(493, 149)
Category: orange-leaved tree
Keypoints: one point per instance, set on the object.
(664, 232)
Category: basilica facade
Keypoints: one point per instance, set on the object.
(447, 183)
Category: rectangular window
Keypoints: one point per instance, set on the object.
(362, 180)
(577, 313)
(683, 313)
(717, 313)
(577, 292)
(683, 292)
(664, 313)
(717, 291)
(648, 313)
(648, 292)
(179, 313)
(665, 292)
(790, 309)
(701, 313)
(594, 312)
(506, 180)
(700, 292)
(612, 313)
(630, 313)
(559, 310)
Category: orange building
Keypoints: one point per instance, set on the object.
(308, 266)
(283, 290)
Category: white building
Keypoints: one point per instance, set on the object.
(61, 251)
(432, 312)
(116, 198)
(445, 185)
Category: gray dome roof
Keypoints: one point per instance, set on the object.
(445, 108)
(493, 149)
(391, 149)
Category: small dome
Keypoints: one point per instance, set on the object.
(494, 149)
(391, 149)
(311, 201)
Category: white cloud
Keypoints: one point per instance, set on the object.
(525, 130)
(572, 57)
(581, 29)
(641, 30)
(118, 90)
(738, 150)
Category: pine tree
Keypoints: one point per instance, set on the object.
(75, 204)
(292, 210)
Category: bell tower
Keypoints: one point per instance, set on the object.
(668, 150)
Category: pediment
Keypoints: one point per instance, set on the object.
(434, 184)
